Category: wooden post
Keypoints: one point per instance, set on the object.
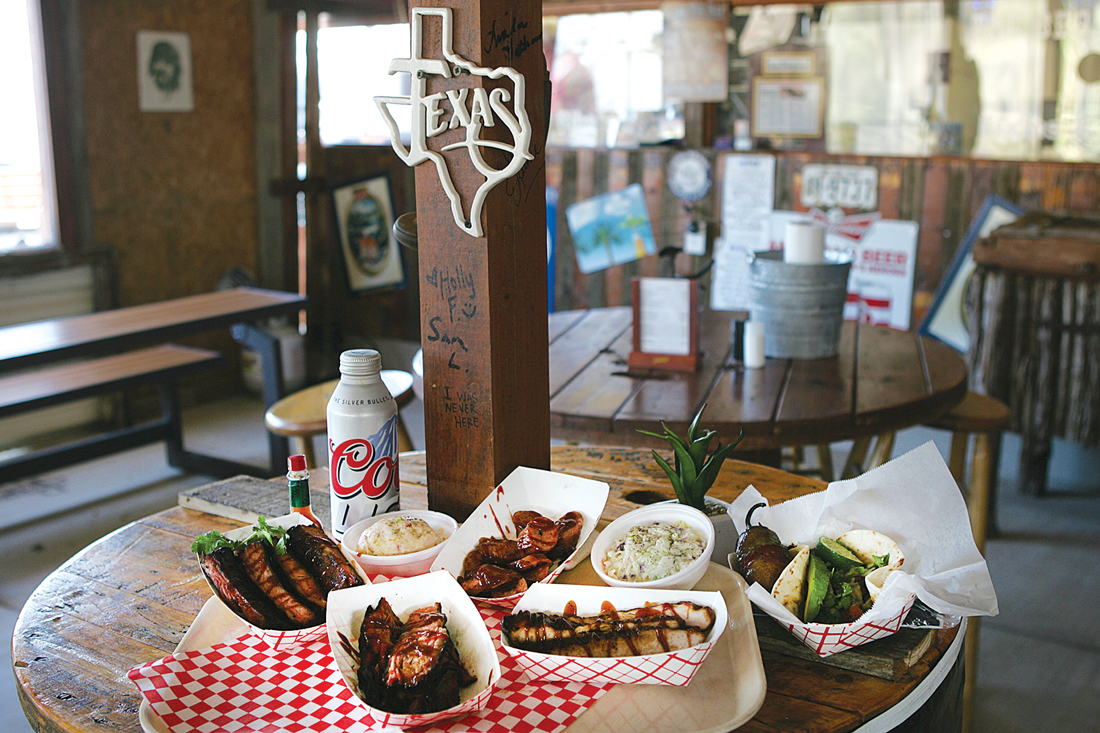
(483, 310)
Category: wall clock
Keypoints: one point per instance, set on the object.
(689, 175)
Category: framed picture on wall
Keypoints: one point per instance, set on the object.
(364, 221)
(946, 320)
(164, 72)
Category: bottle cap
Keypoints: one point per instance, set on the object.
(296, 463)
(360, 362)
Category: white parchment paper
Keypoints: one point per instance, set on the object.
(915, 501)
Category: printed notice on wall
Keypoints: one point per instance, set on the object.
(748, 196)
(787, 107)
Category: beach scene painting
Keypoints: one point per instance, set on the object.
(611, 229)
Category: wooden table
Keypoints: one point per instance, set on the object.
(129, 598)
(1035, 333)
(104, 332)
(882, 381)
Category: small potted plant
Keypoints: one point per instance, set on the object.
(693, 472)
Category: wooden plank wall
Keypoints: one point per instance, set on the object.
(942, 194)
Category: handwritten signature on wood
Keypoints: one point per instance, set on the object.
(457, 288)
(515, 39)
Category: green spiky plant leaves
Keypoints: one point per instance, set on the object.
(693, 471)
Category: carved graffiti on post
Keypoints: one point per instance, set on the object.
(457, 290)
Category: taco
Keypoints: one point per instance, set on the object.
(837, 580)
(790, 588)
(869, 545)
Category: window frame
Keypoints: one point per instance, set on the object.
(61, 69)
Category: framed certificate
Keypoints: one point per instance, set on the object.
(788, 107)
(946, 320)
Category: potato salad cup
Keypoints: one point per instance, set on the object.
(912, 501)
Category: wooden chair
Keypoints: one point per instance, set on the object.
(985, 418)
(301, 416)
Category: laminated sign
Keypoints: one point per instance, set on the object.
(471, 109)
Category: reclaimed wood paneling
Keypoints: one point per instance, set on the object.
(941, 194)
(1036, 351)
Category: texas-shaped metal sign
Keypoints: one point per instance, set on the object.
(471, 108)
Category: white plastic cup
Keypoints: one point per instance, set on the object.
(754, 344)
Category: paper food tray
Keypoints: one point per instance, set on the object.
(550, 493)
(914, 501)
(669, 668)
(464, 622)
(280, 640)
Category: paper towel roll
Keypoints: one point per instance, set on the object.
(804, 243)
(754, 344)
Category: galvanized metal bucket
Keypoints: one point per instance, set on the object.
(801, 306)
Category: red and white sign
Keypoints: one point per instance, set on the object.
(883, 252)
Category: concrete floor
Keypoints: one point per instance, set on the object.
(1039, 664)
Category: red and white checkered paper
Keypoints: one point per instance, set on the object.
(245, 685)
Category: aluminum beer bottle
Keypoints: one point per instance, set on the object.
(362, 443)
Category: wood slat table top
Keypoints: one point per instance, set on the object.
(38, 342)
(130, 597)
(881, 381)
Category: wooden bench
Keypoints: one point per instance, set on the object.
(56, 340)
(162, 366)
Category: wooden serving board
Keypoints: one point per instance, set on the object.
(890, 658)
(244, 498)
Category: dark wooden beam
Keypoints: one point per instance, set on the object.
(483, 299)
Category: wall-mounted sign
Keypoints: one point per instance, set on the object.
(787, 64)
(468, 108)
(846, 186)
(695, 51)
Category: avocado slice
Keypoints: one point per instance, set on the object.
(836, 554)
(817, 585)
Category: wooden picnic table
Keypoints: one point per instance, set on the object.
(129, 598)
(110, 332)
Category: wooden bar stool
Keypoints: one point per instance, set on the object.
(985, 418)
(301, 416)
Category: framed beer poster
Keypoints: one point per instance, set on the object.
(364, 221)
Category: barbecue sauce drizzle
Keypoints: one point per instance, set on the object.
(607, 608)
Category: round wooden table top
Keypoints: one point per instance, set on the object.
(128, 599)
(882, 381)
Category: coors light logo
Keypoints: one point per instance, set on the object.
(365, 465)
